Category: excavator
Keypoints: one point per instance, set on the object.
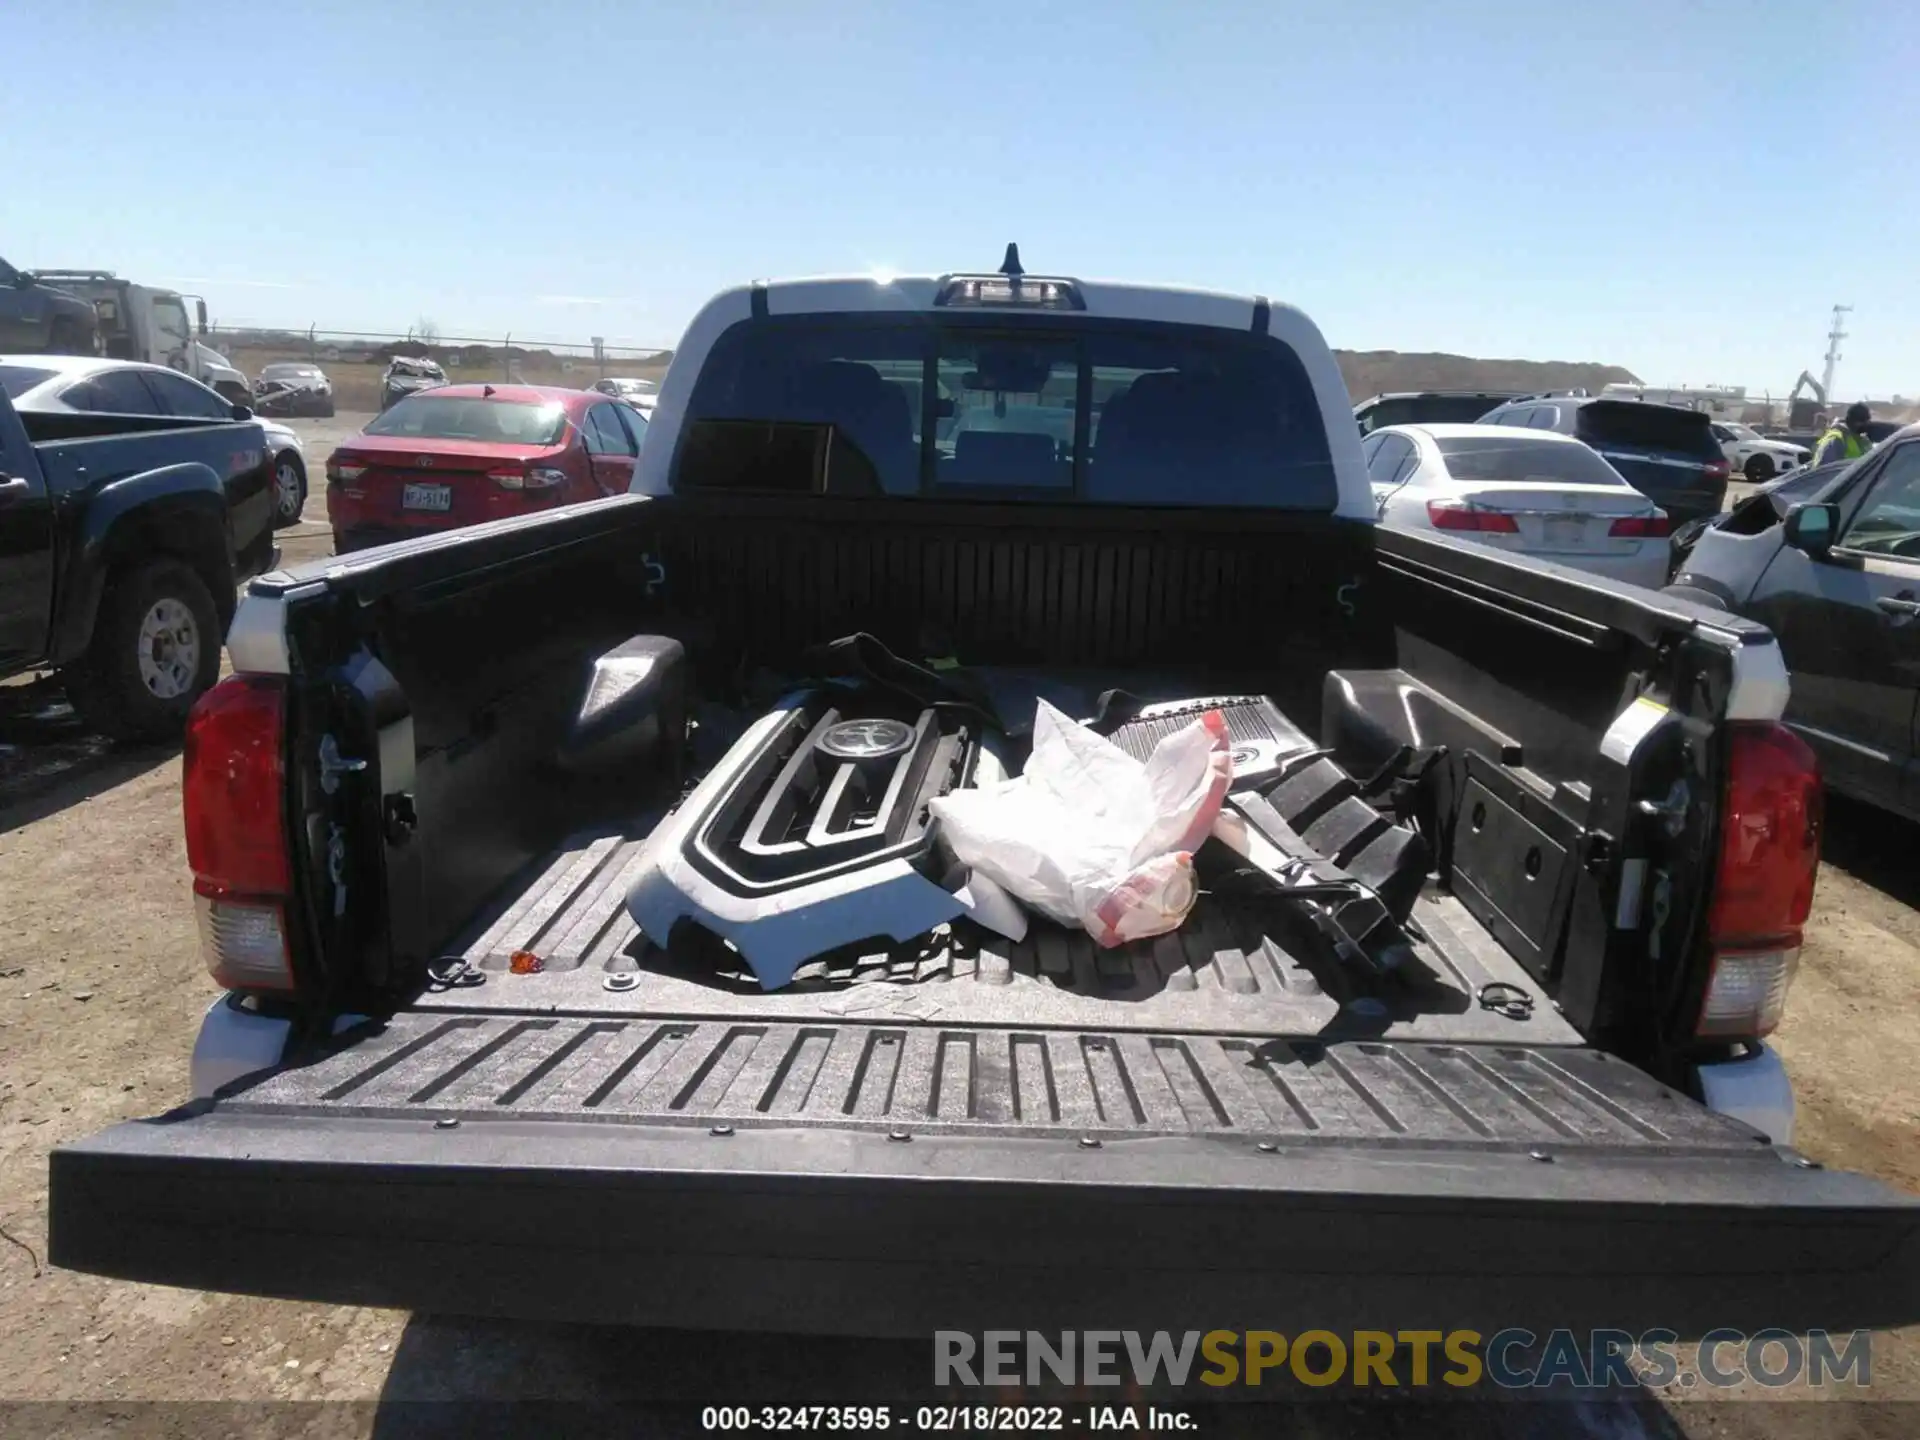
(1804, 414)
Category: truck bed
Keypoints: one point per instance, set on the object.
(1223, 971)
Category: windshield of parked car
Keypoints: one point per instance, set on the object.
(1805, 485)
(453, 417)
(1496, 457)
(991, 408)
(16, 380)
(290, 372)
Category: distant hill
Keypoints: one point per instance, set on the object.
(1380, 372)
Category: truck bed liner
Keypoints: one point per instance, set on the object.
(1223, 972)
(858, 1179)
(937, 1078)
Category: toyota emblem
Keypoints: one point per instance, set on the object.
(866, 739)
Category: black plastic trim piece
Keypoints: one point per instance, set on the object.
(1262, 315)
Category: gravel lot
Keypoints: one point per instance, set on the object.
(103, 988)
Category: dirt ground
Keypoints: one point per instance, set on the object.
(101, 990)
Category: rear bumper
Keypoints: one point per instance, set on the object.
(803, 1229)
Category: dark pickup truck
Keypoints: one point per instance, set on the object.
(39, 318)
(492, 831)
(122, 538)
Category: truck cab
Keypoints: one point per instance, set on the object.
(153, 325)
(37, 318)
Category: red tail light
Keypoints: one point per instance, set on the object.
(1458, 515)
(1717, 469)
(233, 796)
(1641, 527)
(344, 470)
(1769, 855)
(534, 477)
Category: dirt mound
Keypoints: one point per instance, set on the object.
(1382, 372)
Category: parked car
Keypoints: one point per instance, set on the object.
(1427, 407)
(1781, 494)
(89, 384)
(472, 760)
(1540, 494)
(1666, 453)
(291, 387)
(43, 319)
(408, 375)
(1830, 562)
(641, 395)
(461, 454)
(1755, 456)
(122, 536)
(627, 388)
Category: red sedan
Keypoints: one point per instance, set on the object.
(460, 454)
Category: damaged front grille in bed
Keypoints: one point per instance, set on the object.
(831, 791)
(983, 1079)
(812, 831)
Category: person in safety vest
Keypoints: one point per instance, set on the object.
(1845, 441)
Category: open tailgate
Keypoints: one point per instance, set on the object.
(875, 1178)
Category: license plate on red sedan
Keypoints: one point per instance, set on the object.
(427, 497)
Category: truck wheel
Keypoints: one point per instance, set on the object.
(155, 650)
(1759, 468)
(66, 338)
(289, 489)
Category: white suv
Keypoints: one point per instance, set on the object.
(1755, 456)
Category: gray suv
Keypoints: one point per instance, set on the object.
(1666, 453)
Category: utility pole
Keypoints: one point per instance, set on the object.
(1834, 337)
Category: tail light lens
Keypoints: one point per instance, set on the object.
(1457, 515)
(233, 794)
(1717, 469)
(534, 478)
(1763, 891)
(344, 472)
(1641, 527)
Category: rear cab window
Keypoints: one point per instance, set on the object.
(962, 406)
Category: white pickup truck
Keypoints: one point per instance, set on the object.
(493, 833)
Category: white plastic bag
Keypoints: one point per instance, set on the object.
(1090, 836)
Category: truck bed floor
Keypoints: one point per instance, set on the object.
(1224, 972)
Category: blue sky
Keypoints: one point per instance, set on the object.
(1684, 190)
